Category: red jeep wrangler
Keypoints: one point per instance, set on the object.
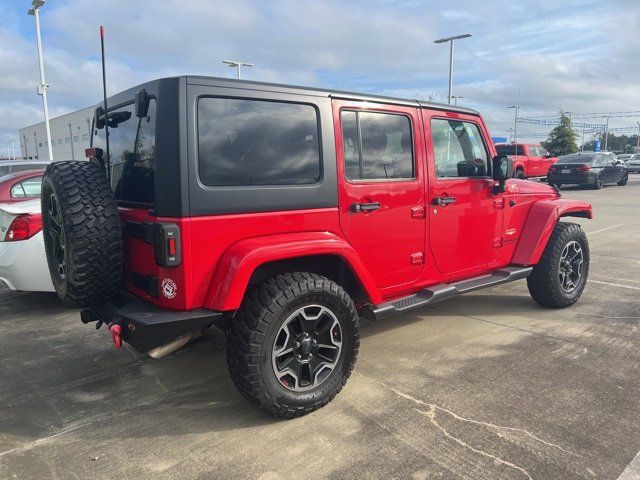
(528, 160)
(283, 214)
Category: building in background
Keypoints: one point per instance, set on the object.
(70, 135)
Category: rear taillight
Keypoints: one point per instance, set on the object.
(24, 227)
(583, 168)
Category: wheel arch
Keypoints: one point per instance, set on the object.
(538, 227)
(251, 261)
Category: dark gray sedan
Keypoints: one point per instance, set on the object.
(594, 169)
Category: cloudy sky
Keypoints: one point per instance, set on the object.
(575, 55)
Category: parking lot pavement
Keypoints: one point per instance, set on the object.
(487, 386)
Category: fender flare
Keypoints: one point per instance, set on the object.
(542, 219)
(241, 259)
(519, 164)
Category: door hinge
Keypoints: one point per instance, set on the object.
(497, 242)
(417, 212)
(146, 283)
(498, 202)
(417, 258)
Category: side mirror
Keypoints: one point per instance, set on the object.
(141, 102)
(502, 169)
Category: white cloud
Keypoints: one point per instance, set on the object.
(576, 55)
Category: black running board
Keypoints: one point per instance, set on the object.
(443, 291)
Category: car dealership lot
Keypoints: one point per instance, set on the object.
(489, 385)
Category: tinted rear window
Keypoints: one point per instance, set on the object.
(256, 142)
(132, 148)
(576, 159)
(509, 150)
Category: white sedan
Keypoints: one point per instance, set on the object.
(23, 263)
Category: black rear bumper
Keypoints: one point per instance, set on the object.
(145, 326)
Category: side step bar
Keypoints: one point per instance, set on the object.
(443, 291)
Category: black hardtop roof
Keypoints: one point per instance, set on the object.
(323, 92)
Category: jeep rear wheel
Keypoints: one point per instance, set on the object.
(520, 174)
(559, 278)
(293, 343)
(82, 236)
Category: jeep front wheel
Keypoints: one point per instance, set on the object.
(293, 343)
(559, 278)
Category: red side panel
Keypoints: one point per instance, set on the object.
(540, 222)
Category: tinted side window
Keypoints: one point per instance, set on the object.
(257, 142)
(377, 146)
(458, 149)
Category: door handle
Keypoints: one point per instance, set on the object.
(365, 207)
(443, 201)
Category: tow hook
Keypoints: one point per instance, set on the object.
(116, 334)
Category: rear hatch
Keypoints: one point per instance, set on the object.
(152, 249)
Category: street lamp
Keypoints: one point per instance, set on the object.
(456, 97)
(237, 65)
(42, 88)
(515, 125)
(451, 41)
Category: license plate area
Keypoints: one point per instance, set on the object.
(565, 170)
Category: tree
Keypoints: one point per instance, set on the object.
(562, 139)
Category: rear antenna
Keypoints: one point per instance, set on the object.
(107, 163)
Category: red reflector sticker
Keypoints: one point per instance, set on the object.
(172, 247)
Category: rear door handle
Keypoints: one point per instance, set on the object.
(365, 207)
(443, 201)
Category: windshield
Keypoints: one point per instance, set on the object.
(132, 153)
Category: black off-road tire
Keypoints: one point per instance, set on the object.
(253, 333)
(78, 195)
(625, 178)
(544, 284)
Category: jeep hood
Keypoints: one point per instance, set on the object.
(528, 187)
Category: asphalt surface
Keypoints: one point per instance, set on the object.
(485, 386)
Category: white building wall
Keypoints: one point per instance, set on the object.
(70, 135)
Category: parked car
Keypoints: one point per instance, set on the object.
(625, 157)
(23, 265)
(12, 166)
(20, 186)
(528, 160)
(595, 169)
(283, 214)
(633, 165)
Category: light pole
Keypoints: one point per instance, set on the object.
(638, 140)
(13, 148)
(73, 157)
(515, 124)
(456, 97)
(606, 136)
(42, 88)
(237, 65)
(451, 41)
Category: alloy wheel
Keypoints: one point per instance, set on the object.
(307, 348)
(571, 266)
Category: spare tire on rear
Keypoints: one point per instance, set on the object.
(82, 235)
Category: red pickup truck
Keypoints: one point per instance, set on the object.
(528, 160)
